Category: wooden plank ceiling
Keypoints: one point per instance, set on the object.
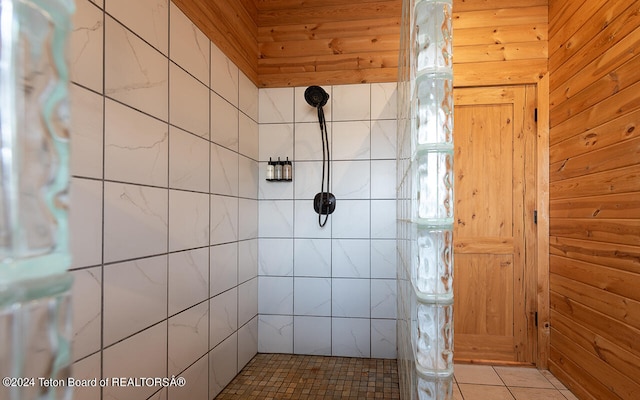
(279, 43)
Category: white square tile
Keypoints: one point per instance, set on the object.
(135, 296)
(312, 296)
(188, 220)
(189, 46)
(312, 335)
(308, 141)
(223, 316)
(249, 139)
(248, 97)
(248, 219)
(383, 139)
(188, 337)
(224, 122)
(135, 221)
(305, 112)
(224, 219)
(383, 259)
(383, 338)
(188, 279)
(306, 221)
(224, 267)
(247, 260)
(275, 257)
(383, 219)
(135, 73)
(87, 307)
(86, 132)
(85, 221)
(275, 105)
(247, 342)
(275, 334)
(146, 355)
(383, 298)
(350, 258)
(224, 171)
(224, 76)
(136, 146)
(189, 102)
(308, 179)
(86, 46)
(276, 218)
(154, 27)
(312, 257)
(351, 140)
(247, 301)
(383, 179)
(350, 337)
(351, 179)
(384, 100)
(223, 365)
(351, 102)
(350, 298)
(351, 219)
(275, 295)
(188, 161)
(276, 140)
(197, 378)
(273, 190)
(88, 368)
(248, 176)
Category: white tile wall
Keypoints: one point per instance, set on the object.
(336, 294)
(183, 252)
(164, 202)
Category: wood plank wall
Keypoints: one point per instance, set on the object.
(327, 42)
(498, 42)
(594, 161)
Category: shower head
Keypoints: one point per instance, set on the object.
(316, 96)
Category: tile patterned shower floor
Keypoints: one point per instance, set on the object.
(286, 376)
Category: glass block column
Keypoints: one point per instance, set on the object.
(425, 201)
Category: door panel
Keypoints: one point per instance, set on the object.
(494, 144)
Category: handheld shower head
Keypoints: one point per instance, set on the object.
(316, 96)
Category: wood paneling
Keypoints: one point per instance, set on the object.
(499, 42)
(231, 25)
(594, 162)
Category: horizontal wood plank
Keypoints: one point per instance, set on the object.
(619, 104)
(500, 35)
(500, 17)
(343, 11)
(480, 5)
(622, 284)
(621, 386)
(624, 180)
(606, 350)
(329, 77)
(330, 30)
(622, 154)
(574, 376)
(498, 72)
(620, 333)
(616, 130)
(606, 38)
(483, 245)
(612, 255)
(602, 230)
(617, 206)
(500, 52)
(328, 47)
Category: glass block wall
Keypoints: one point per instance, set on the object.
(425, 201)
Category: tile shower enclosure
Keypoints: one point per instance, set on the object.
(186, 260)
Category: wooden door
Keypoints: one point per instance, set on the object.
(494, 231)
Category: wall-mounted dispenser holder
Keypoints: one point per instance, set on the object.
(279, 171)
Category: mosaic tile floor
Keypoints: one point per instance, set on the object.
(287, 376)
